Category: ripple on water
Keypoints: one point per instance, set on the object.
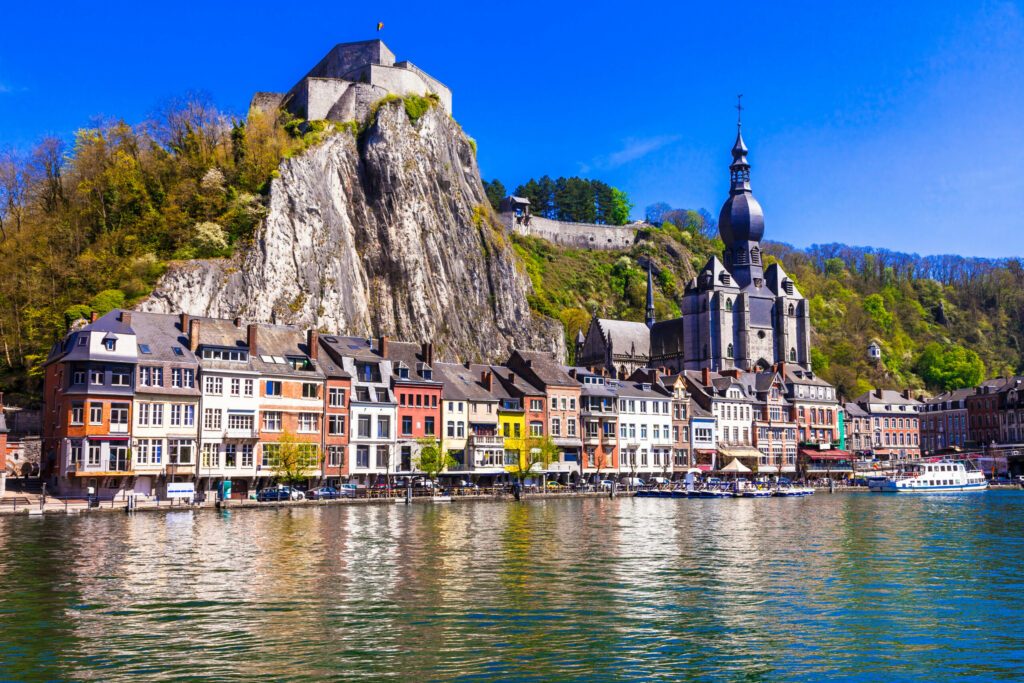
(852, 587)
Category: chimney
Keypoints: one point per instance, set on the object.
(382, 346)
(250, 340)
(705, 376)
(878, 393)
(782, 368)
(126, 317)
(238, 322)
(193, 335)
(427, 351)
(467, 364)
(93, 316)
(312, 343)
(487, 379)
(906, 393)
(183, 317)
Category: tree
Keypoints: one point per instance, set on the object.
(621, 206)
(432, 459)
(655, 213)
(538, 450)
(495, 191)
(950, 367)
(291, 461)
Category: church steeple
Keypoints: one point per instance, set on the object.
(650, 297)
(741, 221)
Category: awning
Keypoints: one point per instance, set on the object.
(832, 454)
(740, 452)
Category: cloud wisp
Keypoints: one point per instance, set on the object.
(632, 150)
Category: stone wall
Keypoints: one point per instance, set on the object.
(577, 235)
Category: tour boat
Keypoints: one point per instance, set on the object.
(931, 477)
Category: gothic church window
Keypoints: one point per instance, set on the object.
(792, 309)
(792, 355)
(728, 304)
(728, 351)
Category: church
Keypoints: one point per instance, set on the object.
(735, 314)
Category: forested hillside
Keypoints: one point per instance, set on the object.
(89, 224)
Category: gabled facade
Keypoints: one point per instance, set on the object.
(88, 387)
(894, 423)
(645, 429)
(599, 423)
(419, 400)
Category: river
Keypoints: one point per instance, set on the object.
(846, 586)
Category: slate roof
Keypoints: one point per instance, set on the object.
(854, 410)
(411, 355)
(889, 396)
(272, 342)
(161, 333)
(462, 383)
(545, 369)
(626, 336)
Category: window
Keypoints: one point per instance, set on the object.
(94, 455)
(363, 428)
(142, 412)
(77, 413)
(183, 415)
(78, 377)
(554, 403)
(556, 427)
(310, 390)
(536, 429)
(225, 354)
(728, 351)
(336, 424)
(536, 404)
(335, 456)
(383, 457)
(249, 386)
(308, 422)
(213, 386)
(271, 421)
(570, 426)
(273, 388)
(362, 456)
(336, 397)
(383, 427)
(96, 376)
(211, 418)
(428, 425)
(95, 413)
(271, 453)
(728, 304)
(406, 425)
(240, 421)
(120, 377)
(230, 455)
(179, 451)
(110, 344)
(247, 453)
(461, 430)
(451, 429)
(419, 400)
(211, 456)
(236, 386)
(151, 376)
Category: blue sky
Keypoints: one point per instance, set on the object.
(891, 124)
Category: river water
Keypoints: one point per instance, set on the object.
(846, 586)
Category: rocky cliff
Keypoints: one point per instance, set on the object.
(389, 234)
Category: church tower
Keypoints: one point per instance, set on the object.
(650, 297)
(741, 221)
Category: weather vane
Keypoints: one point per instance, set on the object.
(739, 110)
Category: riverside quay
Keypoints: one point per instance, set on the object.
(136, 402)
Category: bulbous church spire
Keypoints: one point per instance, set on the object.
(741, 221)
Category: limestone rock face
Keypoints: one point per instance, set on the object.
(386, 235)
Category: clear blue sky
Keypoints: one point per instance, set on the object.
(891, 124)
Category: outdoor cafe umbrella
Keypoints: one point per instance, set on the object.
(735, 467)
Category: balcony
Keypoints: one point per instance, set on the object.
(487, 440)
(118, 427)
(241, 433)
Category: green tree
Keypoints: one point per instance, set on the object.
(495, 191)
(537, 454)
(949, 367)
(621, 206)
(432, 459)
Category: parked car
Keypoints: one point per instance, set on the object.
(347, 490)
(554, 485)
(276, 493)
(606, 484)
(324, 493)
(466, 484)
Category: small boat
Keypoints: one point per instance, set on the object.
(946, 476)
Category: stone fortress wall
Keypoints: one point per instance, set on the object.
(348, 80)
(576, 235)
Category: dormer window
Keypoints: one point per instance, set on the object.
(403, 373)
(428, 374)
(82, 341)
(110, 343)
(725, 278)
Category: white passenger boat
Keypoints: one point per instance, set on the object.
(931, 477)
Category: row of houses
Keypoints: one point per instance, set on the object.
(134, 401)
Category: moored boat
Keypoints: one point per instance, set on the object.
(946, 476)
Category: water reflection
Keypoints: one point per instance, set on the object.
(845, 586)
